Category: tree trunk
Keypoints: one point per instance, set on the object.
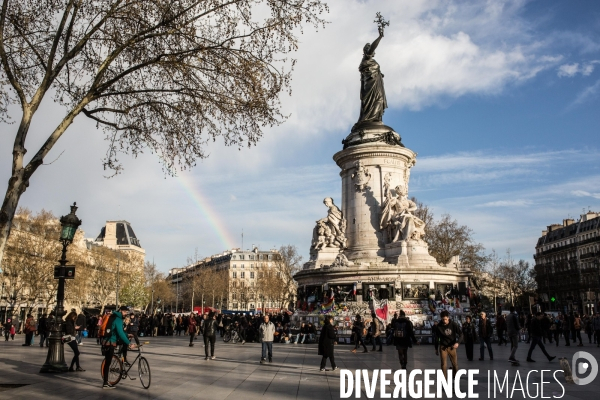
(16, 187)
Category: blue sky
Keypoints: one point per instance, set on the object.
(498, 98)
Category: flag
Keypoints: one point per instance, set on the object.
(381, 309)
(354, 289)
(432, 305)
(327, 307)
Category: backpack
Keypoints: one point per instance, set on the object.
(105, 329)
(577, 323)
(401, 330)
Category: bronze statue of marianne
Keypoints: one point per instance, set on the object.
(372, 93)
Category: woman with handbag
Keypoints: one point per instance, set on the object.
(70, 329)
(326, 344)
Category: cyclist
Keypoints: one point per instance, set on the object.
(115, 336)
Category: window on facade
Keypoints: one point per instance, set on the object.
(234, 266)
(251, 257)
(242, 266)
(234, 274)
(251, 275)
(242, 274)
(233, 257)
(241, 256)
(251, 266)
(270, 257)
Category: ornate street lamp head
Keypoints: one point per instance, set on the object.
(69, 224)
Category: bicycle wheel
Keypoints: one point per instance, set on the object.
(115, 371)
(144, 372)
(227, 337)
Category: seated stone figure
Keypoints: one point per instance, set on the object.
(330, 231)
(397, 218)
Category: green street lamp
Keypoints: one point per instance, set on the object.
(55, 360)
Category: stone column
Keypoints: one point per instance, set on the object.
(362, 201)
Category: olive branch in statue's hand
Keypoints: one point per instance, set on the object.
(381, 23)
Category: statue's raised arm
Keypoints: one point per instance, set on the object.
(371, 50)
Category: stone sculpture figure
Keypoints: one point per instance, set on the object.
(397, 217)
(362, 176)
(372, 94)
(331, 230)
(342, 261)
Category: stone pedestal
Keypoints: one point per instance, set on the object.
(377, 151)
(322, 258)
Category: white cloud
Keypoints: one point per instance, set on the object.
(570, 70)
(507, 203)
(583, 193)
(585, 95)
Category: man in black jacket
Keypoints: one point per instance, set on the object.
(209, 331)
(449, 334)
(404, 336)
(536, 337)
(43, 330)
(485, 336)
(357, 329)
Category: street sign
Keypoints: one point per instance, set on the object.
(68, 274)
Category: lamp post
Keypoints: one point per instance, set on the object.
(55, 360)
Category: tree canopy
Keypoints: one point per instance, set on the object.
(162, 75)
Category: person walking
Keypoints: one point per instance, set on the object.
(500, 329)
(134, 327)
(555, 328)
(536, 338)
(449, 335)
(8, 327)
(192, 329)
(358, 328)
(376, 328)
(29, 329)
(266, 332)
(577, 325)
(71, 331)
(327, 344)
(404, 336)
(80, 326)
(469, 335)
(596, 327)
(512, 331)
(566, 329)
(209, 332)
(485, 336)
(43, 330)
(434, 337)
(115, 335)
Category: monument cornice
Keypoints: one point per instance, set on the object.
(355, 153)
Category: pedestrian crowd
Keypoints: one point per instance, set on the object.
(121, 328)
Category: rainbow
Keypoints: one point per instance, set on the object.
(192, 189)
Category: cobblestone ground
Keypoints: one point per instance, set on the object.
(180, 372)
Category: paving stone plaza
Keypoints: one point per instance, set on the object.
(180, 372)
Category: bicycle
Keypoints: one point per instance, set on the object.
(231, 334)
(117, 371)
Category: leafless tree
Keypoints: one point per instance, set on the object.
(446, 239)
(163, 75)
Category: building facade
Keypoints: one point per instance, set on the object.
(236, 276)
(567, 265)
